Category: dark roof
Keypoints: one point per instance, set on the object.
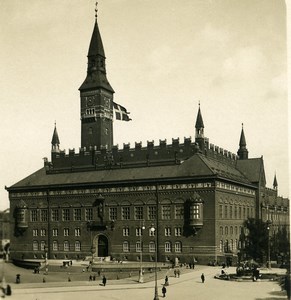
(196, 166)
(96, 45)
(253, 169)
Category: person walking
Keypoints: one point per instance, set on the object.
(178, 273)
(166, 281)
(202, 277)
(164, 291)
(104, 280)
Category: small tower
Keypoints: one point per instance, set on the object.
(242, 152)
(275, 183)
(55, 141)
(199, 130)
(96, 98)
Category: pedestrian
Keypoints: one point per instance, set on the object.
(43, 280)
(175, 273)
(166, 281)
(202, 277)
(164, 291)
(178, 273)
(8, 290)
(90, 278)
(104, 280)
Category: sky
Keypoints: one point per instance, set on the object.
(163, 58)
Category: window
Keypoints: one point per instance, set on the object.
(89, 214)
(66, 246)
(167, 231)
(138, 247)
(112, 213)
(42, 232)
(55, 232)
(34, 232)
(168, 247)
(77, 231)
(220, 212)
(239, 212)
(152, 247)
(42, 245)
(125, 231)
(138, 212)
(225, 211)
(195, 211)
(221, 230)
(221, 246)
(235, 230)
(55, 215)
(231, 230)
(77, 246)
(226, 230)
(179, 211)
(178, 231)
(235, 212)
(43, 215)
(55, 246)
(166, 212)
(125, 212)
(77, 214)
(35, 245)
(66, 231)
(230, 212)
(152, 210)
(178, 247)
(33, 215)
(138, 231)
(244, 213)
(152, 232)
(66, 214)
(125, 246)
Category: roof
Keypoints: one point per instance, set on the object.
(196, 166)
(253, 169)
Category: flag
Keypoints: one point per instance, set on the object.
(121, 112)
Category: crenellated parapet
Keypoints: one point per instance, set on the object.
(139, 155)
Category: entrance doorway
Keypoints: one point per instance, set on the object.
(101, 243)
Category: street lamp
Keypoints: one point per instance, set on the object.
(153, 230)
(142, 227)
(46, 260)
(268, 228)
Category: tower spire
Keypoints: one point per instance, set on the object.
(242, 152)
(96, 10)
(55, 140)
(199, 130)
(275, 183)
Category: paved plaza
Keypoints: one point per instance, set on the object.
(188, 286)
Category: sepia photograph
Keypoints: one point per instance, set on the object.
(144, 149)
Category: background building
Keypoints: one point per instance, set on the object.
(103, 201)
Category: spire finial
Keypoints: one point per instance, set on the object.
(242, 125)
(96, 10)
(199, 103)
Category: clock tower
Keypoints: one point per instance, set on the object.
(96, 99)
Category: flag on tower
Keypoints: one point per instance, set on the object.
(121, 113)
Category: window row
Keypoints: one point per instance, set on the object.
(229, 245)
(139, 231)
(55, 232)
(152, 247)
(126, 213)
(235, 212)
(225, 230)
(36, 246)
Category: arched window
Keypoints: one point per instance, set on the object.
(168, 247)
(77, 246)
(138, 246)
(125, 246)
(55, 246)
(66, 246)
(152, 247)
(178, 247)
(221, 230)
(35, 245)
(42, 245)
(226, 230)
(90, 130)
(231, 230)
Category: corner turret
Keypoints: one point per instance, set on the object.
(242, 152)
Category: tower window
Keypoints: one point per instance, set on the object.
(90, 130)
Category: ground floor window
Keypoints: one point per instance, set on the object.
(125, 246)
(168, 247)
(178, 247)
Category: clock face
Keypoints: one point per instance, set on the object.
(90, 101)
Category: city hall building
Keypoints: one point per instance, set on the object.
(182, 200)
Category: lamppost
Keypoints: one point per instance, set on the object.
(142, 227)
(153, 230)
(269, 254)
(45, 248)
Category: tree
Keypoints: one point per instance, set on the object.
(256, 239)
